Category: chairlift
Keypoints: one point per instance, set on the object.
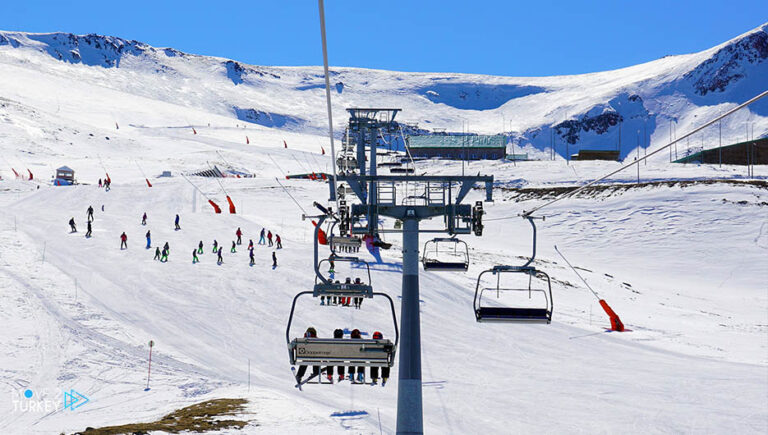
(445, 254)
(342, 351)
(541, 313)
(343, 289)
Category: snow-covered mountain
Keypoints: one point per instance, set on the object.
(682, 261)
(594, 111)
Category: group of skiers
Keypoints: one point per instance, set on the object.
(162, 255)
(340, 370)
(106, 184)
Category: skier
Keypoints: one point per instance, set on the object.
(194, 256)
(311, 333)
(375, 370)
(88, 233)
(164, 257)
(338, 333)
(144, 219)
(233, 249)
(177, 223)
(274, 260)
(261, 238)
(123, 241)
(239, 234)
(99, 183)
(167, 247)
(215, 246)
(157, 253)
(200, 247)
(279, 241)
(355, 334)
(149, 239)
(219, 260)
(72, 225)
(269, 237)
(89, 213)
(250, 244)
(250, 255)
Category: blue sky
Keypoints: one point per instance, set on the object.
(488, 37)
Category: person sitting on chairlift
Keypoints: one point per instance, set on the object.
(358, 301)
(355, 334)
(375, 370)
(310, 333)
(338, 333)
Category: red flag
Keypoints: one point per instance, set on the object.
(193, 130)
(322, 150)
(616, 324)
(148, 183)
(321, 237)
(285, 144)
(30, 175)
(108, 179)
(231, 205)
(323, 175)
(215, 206)
(247, 141)
(15, 173)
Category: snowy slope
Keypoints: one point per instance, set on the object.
(685, 267)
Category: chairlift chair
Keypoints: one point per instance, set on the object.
(445, 254)
(513, 314)
(342, 351)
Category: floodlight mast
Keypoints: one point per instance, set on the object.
(377, 195)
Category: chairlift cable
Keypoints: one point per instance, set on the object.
(291, 196)
(321, 7)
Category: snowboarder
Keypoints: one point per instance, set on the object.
(200, 247)
(123, 241)
(250, 244)
(144, 219)
(176, 222)
(338, 333)
(72, 226)
(233, 249)
(274, 260)
(279, 241)
(215, 246)
(194, 256)
(269, 237)
(167, 247)
(375, 370)
(149, 239)
(239, 235)
(164, 256)
(261, 237)
(250, 255)
(157, 253)
(89, 213)
(88, 233)
(219, 260)
(310, 333)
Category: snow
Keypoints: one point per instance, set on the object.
(684, 266)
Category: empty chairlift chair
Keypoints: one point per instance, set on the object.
(445, 254)
(514, 304)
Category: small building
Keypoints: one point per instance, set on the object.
(612, 155)
(454, 147)
(753, 152)
(65, 176)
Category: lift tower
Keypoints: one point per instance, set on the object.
(382, 196)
